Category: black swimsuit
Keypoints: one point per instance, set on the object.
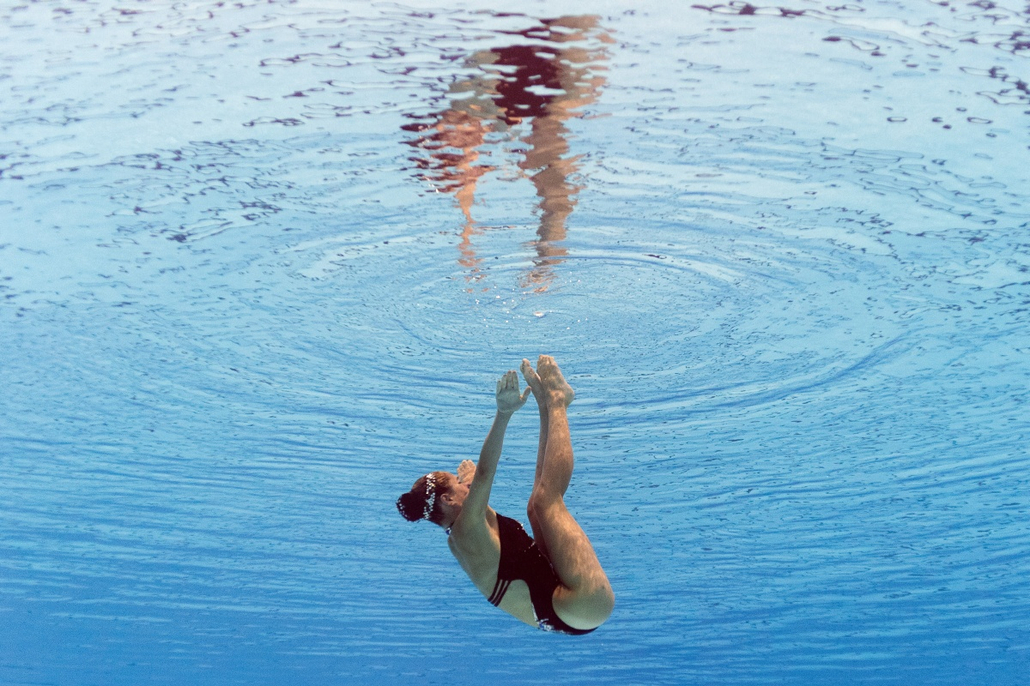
(522, 559)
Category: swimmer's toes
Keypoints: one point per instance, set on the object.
(532, 378)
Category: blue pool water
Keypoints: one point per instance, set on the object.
(262, 262)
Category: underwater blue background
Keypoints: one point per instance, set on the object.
(261, 264)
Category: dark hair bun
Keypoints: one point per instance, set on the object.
(411, 506)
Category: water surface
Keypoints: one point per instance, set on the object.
(261, 264)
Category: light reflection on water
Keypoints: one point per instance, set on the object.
(780, 251)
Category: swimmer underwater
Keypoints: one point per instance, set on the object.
(554, 582)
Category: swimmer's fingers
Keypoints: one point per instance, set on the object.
(466, 472)
(509, 398)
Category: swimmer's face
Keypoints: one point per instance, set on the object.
(456, 492)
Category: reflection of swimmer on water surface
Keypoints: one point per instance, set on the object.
(541, 84)
(554, 580)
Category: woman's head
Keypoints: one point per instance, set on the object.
(424, 499)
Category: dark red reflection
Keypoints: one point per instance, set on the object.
(538, 81)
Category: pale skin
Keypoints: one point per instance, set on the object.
(584, 599)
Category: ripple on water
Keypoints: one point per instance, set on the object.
(239, 300)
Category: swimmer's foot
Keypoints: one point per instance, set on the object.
(534, 383)
(557, 389)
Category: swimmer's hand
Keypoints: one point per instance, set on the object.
(466, 472)
(508, 397)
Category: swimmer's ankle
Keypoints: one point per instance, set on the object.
(560, 397)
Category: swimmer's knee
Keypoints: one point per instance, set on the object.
(531, 514)
(541, 502)
(533, 509)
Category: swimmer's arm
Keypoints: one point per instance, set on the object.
(508, 401)
(479, 490)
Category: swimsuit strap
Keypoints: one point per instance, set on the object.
(500, 588)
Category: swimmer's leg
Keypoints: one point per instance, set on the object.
(585, 598)
(536, 385)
